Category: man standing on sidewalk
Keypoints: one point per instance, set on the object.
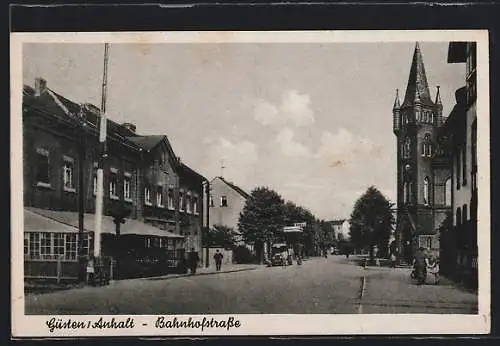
(193, 260)
(218, 260)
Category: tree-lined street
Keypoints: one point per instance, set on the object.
(319, 285)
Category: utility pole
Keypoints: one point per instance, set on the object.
(102, 158)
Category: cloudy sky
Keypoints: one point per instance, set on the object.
(312, 121)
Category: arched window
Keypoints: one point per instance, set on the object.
(458, 218)
(447, 192)
(427, 146)
(426, 191)
(425, 116)
(407, 148)
(410, 189)
(431, 118)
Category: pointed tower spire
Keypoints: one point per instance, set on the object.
(395, 114)
(397, 105)
(417, 88)
(438, 97)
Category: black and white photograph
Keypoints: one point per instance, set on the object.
(206, 183)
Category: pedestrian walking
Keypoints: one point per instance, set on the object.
(393, 260)
(218, 260)
(193, 260)
(420, 265)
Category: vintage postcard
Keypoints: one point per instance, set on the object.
(250, 183)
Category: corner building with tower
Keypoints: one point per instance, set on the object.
(423, 166)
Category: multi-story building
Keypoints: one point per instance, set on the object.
(226, 203)
(144, 182)
(459, 249)
(423, 174)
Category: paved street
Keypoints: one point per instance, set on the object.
(318, 286)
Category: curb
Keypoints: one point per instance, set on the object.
(175, 276)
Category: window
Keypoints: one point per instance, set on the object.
(458, 167)
(407, 148)
(223, 201)
(410, 189)
(42, 167)
(188, 204)
(127, 195)
(429, 242)
(170, 198)
(46, 245)
(464, 166)
(195, 205)
(159, 196)
(71, 247)
(26, 244)
(34, 245)
(427, 146)
(68, 176)
(405, 192)
(426, 191)
(464, 214)
(212, 201)
(58, 245)
(113, 184)
(181, 201)
(458, 218)
(147, 196)
(447, 192)
(431, 117)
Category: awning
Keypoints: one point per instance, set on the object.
(34, 222)
(131, 226)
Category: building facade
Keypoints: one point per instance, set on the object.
(459, 250)
(423, 173)
(159, 198)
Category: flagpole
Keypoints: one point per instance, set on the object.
(103, 155)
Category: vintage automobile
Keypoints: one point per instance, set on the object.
(280, 255)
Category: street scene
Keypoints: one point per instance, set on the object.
(320, 286)
(250, 178)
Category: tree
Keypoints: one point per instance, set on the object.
(371, 222)
(220, 235)
(262, 218)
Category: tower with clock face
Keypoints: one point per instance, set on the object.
(415, 123)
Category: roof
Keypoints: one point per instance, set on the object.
(45, 219)
(189, 171)
(417, 88)
(234, 187)
(147, 142)
(337, 222)
(51, 102)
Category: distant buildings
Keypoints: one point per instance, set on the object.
(340, 228)
(160, 197)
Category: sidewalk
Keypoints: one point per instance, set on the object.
(390, 290)
(227, 268)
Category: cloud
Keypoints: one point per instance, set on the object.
(343, 148)
(287, 144)
(295, 109)
(239, 158)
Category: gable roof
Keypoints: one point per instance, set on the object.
(234, 187)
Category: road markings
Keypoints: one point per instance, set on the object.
(361, 294)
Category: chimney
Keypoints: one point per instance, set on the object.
(40, 86)
(129, 126)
